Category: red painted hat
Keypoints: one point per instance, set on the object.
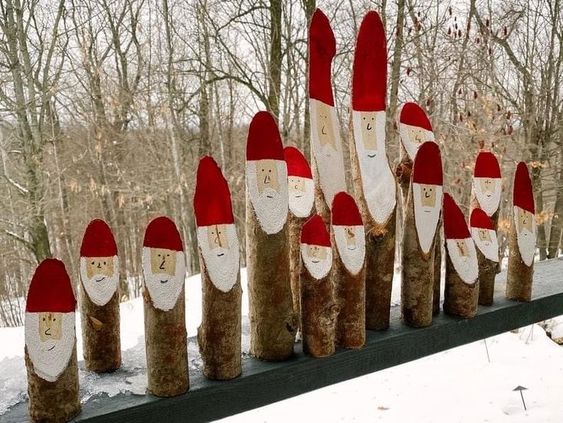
(162, 233)
(212, 198)
(322, 48)
(98, 240)
(479, 219)
(413, 115)
(427, 166)
(50, 289)
(297, 164)
(522, 191)
(345, 211)
(369, 80)
(486, 165)
(455, 226)
(264, 140)
(314, 232)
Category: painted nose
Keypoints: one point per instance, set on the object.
(267, 179)
(426, 195)
(368, 127)
(48, 331)
(99, 265)
(161, 267)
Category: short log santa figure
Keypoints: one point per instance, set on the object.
(326, 145)
(318, 306)
(485, 237)
(462, 287)
(522, 238)
(99, 299)
(487, 183)
(50, 344)
(164, 269)
(414, 127)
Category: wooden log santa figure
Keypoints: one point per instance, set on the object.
(349, 272)
(318, 306)
(422, 214)
(164, 269)
(415, 128)
(485, 237)
(487, 185)
(522, 238)
(219, 336)
(99, 298)
(326, 145)
(50, 345)
(301, 190)
(272, 321)
(374, 182)
(461, 292)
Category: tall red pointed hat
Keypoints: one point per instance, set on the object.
(479, 219)
(162, 233)
(427, 166)
(486, 165)
(314, 232)
(264, 140)
(369, 79)
(455, 226)
(98, 240)
(297, 164)
(522, 191)
(50, 289)
(322, 48)
(212, 198)
(413, 115)
(345, 210)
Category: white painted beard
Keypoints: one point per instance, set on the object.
(426, 218)
(50, 358)
(222, 264)
(488, 248)
(411, 146)
(489, 202)
(318, 268)
(270, 206)
(328, 161)
(352, 256)
(163, 288)
(100, 288)
(301, 202)
(526, 241)
(466, 266)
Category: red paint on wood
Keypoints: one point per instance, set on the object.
(427, 166)
(314, 232)
(297, 164)
(212, 198)
(369, 80)
(522, 191)
(486, 166)
(50, 289)
(479, 219)
(345, 210)
(413, 115)
(455, 226)
(322, 48)
(98, 240)
(264, 140)
(162, 233)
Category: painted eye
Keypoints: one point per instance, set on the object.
(93, 262)
(43, 319)
(219, 233)
(167, 255)
(364, 118)
(54, 318)
(104, 263)
(158, 255)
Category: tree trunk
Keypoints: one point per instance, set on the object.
(437, 271)
(295, 225)
(487, 275)
(275, 62)
(519, 276)
(460, 298)
(557, 220)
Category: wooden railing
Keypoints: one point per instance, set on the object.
(263, 383)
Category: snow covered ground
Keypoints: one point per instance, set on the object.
(459, 385)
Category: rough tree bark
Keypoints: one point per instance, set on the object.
(460, 298)
(519, 276)
(295, 224)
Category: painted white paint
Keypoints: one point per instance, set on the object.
(100, 288)
(465, 264)
(164, 289)
(488, 199)
(426, 217)
(317, 266)
(352, 249)
(487, 244)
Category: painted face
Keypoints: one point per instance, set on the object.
(486, 241)
(416, 135)
(163, 261)
(220, 251)
(267, 175)
(101, 267)
(462, 248)
(316, 253)
(164, 271)
(526, 234)
(301, 195)
(50, 326)
(369, 133)
(524, 219)
(325, 127)
(350, 233)
(487, 186)
(412, 137)
(100, 277)
(428, 195)
(487, 191)
(484, 235)
(350, 242)
(317, 259)
(464, 258)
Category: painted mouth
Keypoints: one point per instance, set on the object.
(52, 348)
(101, 279)
(371, 156)
(323, 130)
(489, 195)
(352, 248)
(164, 281)
(298, 196)
(316, 261)
(220, 254)
(427, 211)
(269, 196)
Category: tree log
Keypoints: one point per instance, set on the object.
(319, 313)
(219, 336)
(437, 271)
(100, 333)
(460, 298)
(273, 323)
(166, 347)
(519, 276)
(487, 275)
(323, 209)
(53, 401)
(295, 225)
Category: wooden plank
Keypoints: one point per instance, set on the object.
(264, 383)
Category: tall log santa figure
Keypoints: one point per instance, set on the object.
(99, 298)
(272, 321)
(522, 238)
(164, 269)
(326, 145)
(50, 345)
(219, 335)
(374, 183)
(485, 237)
